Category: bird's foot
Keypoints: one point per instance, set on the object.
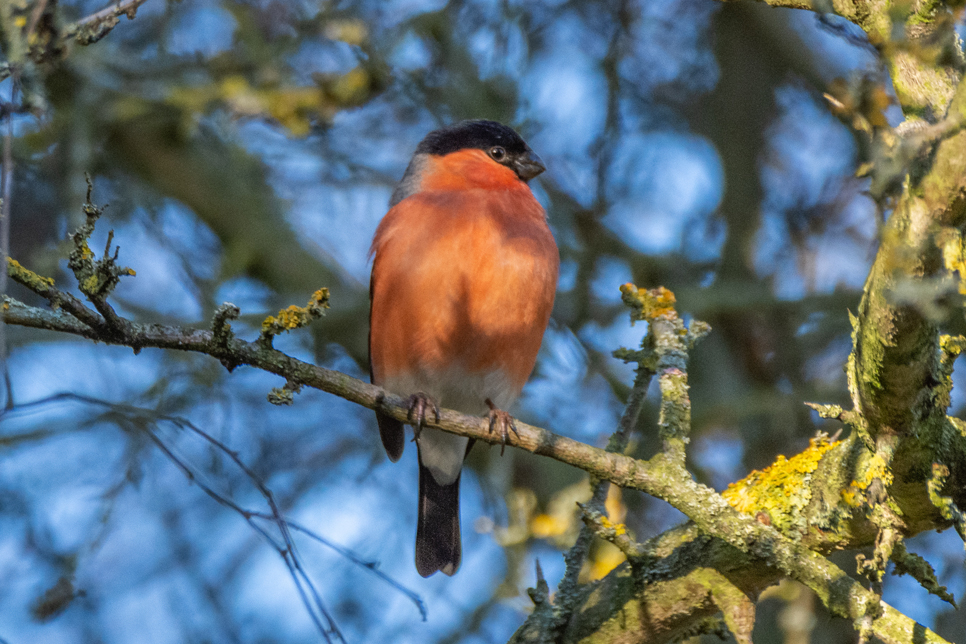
(501, 421)
(419, 404)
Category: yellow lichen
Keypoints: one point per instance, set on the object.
(26, 276)
(84, 251)
(606, 558)
(782, 488)
(618, 528)
(648, 304)
(878, 468)
(295, 317)
(952, 344)
(292, 317)
(91, 285)
(950, 241)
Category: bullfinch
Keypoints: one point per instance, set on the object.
(463, 280)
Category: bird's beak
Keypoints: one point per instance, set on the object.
(528, 166)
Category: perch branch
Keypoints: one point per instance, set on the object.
(661, 477)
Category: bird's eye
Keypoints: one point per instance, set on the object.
(497, 153)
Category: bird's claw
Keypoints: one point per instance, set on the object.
(501, 421)
(418, 404)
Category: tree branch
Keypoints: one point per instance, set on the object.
(869, 14)
(663, 476)
(89, 29)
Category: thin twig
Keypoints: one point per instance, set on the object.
(285, 548)
(125, 7)
(6, 189)
(317, 610)
(575, 557)
(371, 566)
(35, 15)
(603, 151)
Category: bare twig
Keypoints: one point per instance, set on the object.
(575, 557)
(371, 566)
(285, 548)
(92, 28)
(35, 15)
(123, 8)
(6, 188)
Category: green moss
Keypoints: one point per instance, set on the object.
(925, 14)
(675, 416)
(946, 181)
(920, 87)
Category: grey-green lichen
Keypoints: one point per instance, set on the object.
(96, 278)
(909, 563)
(946, 505)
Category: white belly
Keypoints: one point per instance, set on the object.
(442, 453)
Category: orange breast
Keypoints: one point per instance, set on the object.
(462, 281)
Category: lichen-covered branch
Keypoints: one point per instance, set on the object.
(871, 15)
(664, 352)
(895, 362)
(662, 477)
(42, 38)
(92, 28)
(806, 497)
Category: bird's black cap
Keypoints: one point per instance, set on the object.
(489, 136)
(472, 134)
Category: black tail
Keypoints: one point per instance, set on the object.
(393, 436)
(438, 529)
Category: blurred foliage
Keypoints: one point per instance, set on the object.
(247, 150)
